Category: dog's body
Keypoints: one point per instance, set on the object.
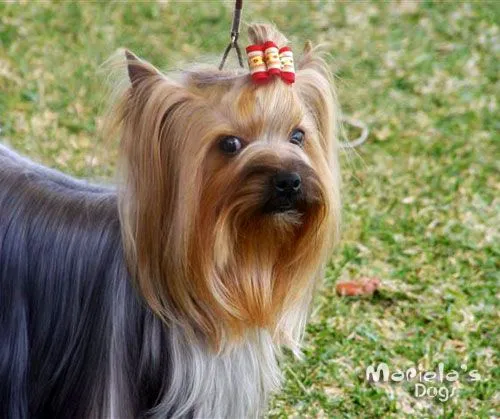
(76, 340)
(171, 295)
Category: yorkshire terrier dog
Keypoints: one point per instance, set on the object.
(172, 294)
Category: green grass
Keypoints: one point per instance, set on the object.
(421, 199)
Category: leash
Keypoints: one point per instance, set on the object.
(347, 144)
(233, 43)
(235, 32)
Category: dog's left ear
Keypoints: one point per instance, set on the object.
(312, 59)
(314, 83)
(138, 69)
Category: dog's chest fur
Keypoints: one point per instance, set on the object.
(76, 340)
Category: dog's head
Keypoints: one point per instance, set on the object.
(231, 202)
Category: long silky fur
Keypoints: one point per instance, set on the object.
(168, 296)
(75, 338)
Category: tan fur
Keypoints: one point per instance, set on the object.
(203, 253)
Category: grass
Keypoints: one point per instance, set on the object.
(421, 206)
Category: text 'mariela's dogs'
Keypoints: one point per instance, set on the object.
(171, 294)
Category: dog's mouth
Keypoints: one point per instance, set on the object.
(279, 205)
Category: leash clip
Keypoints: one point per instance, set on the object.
(235, 32)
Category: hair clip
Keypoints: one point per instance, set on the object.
(287, 67)
(267, 60)
(258, 68)
(272, 58)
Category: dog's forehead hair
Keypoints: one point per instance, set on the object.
(263, 112)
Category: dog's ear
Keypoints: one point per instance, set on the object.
(138, 70)
(312, 58)
(315, 86)
(308, 47)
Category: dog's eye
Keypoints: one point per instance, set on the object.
(230, 145)
(297, 137)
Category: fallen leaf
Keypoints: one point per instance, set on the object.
(362, 286)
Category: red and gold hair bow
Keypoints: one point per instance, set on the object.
(267, 60)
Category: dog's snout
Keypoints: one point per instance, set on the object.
(286, 183)
(285, 192)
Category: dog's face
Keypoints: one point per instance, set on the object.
(232, 199)
(264, 161)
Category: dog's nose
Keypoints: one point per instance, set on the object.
(285, 192)
(287, 183)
